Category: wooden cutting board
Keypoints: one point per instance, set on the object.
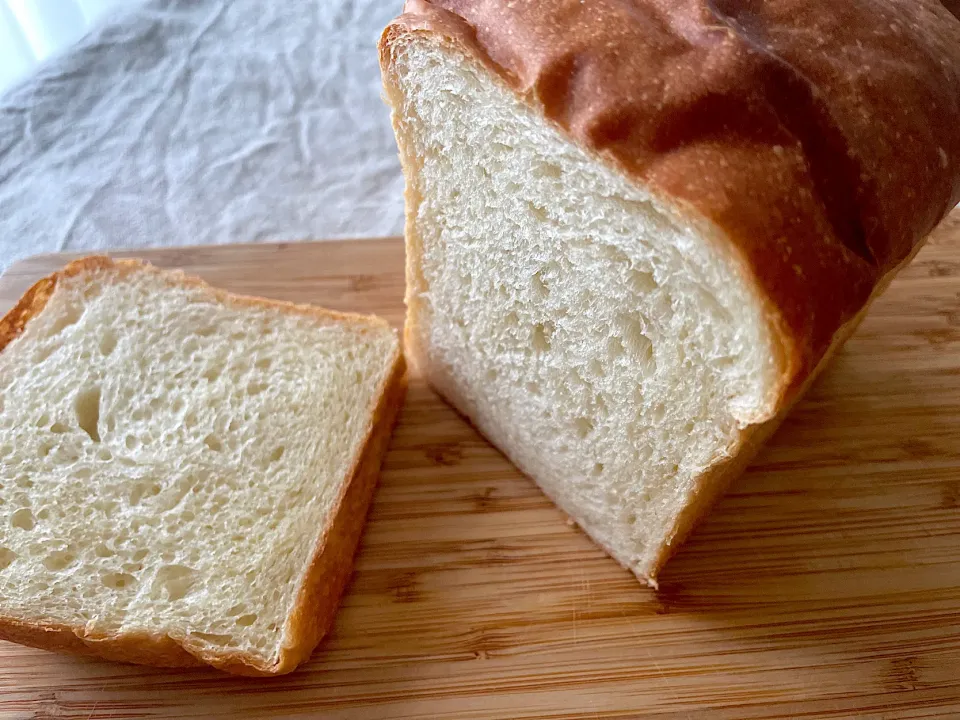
(825, 585)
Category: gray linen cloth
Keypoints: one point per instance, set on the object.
(182, 122)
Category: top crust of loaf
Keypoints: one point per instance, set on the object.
(820, 140)
(35, 299)
(331, 564)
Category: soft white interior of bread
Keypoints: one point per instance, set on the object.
(612, 351)
(168, 462)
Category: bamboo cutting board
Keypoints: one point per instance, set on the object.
(825, 585)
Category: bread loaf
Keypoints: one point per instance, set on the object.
(636, 230)
(184, 473)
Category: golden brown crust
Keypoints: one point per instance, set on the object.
(821, 138)
(35, 299)
(818, 141)
(332, 561)
(137, 648)
(711, 485)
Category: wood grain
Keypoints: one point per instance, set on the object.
(825, 585)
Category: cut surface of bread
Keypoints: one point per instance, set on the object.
(611, 350)
(184, 473)
(637, 231)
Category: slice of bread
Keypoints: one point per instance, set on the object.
(637, 230)
(184, 473)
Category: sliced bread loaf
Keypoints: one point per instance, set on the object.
(636, 229)
(184, 473)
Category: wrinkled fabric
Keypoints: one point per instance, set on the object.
(203, 121)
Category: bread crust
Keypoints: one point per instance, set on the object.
(713, 483)
(770, 124)
(815, 143)
(331, 564)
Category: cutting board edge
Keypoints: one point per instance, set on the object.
(24, 265)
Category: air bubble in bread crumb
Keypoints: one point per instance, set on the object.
(583, 426)
(118, 581)
(175, 581)
(540, 288)
(108, 342)
(541, 336)
(136, 494)
(615, 347)
(58, 560)
(641, 282)
(86, 406)
(7, 556)
(23, 519)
